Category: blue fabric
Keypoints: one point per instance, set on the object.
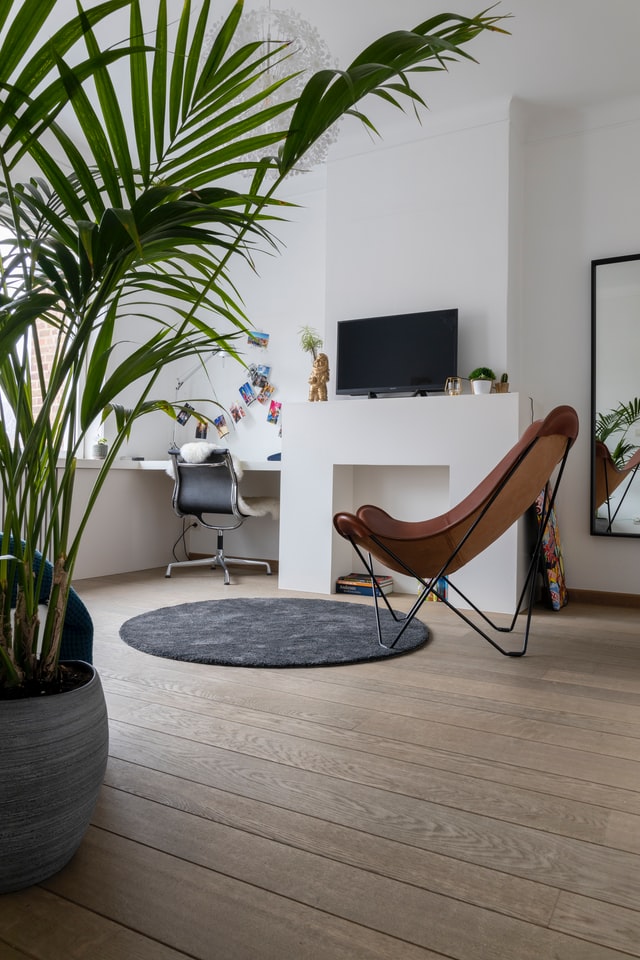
(77, 630)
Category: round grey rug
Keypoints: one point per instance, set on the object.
(269, 633)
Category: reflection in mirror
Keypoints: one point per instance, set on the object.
(615, 396)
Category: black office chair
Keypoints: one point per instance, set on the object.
(210, 488)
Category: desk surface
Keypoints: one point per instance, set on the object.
(248, 465)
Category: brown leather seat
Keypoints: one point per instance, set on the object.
(430, 549)
(608, 476)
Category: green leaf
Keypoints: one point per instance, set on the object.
(115, 129)
(176, 84)
(26, 25)
(209, 75)
(93, 127)
(159, 80)
(140, 93)
(330, 94)
(193, 59)
(43, 109)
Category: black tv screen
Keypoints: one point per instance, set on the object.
(407, 353)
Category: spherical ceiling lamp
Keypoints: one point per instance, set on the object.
(306, 54)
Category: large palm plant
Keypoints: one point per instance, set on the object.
(110, 203)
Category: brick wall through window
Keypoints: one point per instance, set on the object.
(48, 337)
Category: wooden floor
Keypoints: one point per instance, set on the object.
(449, 803)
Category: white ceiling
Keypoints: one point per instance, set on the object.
(561, 53)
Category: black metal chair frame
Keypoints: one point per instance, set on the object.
(429, 586)
(611, 517)
(225, 504)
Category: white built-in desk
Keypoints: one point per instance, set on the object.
(415, 457)
(133, 525)
(127, 463)
(261, 466)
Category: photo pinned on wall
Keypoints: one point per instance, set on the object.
(247, 394)
(220, 424)
(184, 414)
(266, 393)
(237, 412)
(202, 430)
(274, 411)
(259, 375)
(257, 339)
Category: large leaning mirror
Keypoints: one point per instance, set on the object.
(615, 396)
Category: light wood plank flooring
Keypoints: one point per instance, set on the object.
(450, 803)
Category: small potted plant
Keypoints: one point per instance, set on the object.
(502, 385)
(310, 341)
(482, 379)
(100, 448)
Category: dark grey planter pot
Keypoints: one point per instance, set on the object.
(53, 755)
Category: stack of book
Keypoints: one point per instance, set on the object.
(361, 584)
(440, 590)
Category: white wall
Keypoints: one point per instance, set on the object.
(132, 526)
(392, 226)
(417, 221)
(285, 292)
(422, 225)
(582, 203)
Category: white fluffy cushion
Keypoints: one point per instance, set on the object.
(198, 451)
(259, 506)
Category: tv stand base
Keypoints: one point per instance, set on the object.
(372, 395)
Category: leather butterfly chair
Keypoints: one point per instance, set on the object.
(210, 488)
(431, 549)
(608, 478)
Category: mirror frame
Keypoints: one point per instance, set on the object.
(592, 487)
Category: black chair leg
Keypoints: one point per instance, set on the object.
(220, 560)
(528, 588)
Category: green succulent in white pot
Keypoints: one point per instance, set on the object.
(118, 189)
(482, 379)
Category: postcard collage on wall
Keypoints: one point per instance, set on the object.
(256, 392)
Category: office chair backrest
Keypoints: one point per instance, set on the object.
(206, 488)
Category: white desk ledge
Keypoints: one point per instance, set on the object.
(128, 464)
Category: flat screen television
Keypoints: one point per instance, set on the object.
(407, 353)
